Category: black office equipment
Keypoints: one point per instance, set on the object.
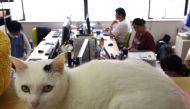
(86, 17)
(110, 44)
(107, 53)
(55, 51)
(42, 32)
(40, 51)
(66, 30)
(56, 34)
(69, 59)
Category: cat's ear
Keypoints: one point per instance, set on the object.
(19, 64)
(58, 63)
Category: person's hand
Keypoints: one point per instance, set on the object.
(107, 29)
(114, 22)
(132, 50)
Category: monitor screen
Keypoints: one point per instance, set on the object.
(54, 51)
(66, 30)
(88, 25)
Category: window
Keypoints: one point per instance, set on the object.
(167, 8)
(15, 9)
(53, 10)
(99, 10)
(104, 10)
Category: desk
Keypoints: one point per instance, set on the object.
(181, 47)
(44, 45)
(183, 83)
(114, 50)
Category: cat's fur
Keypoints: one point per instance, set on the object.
(105, 84)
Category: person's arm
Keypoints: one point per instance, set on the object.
(117, 31)
(112, 24)
(111, 28)
(132, 48)
(27, 46)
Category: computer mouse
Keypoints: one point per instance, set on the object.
(40, 51)
(110, 44)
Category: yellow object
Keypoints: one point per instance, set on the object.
(5, 62)
(127, 39)
(34, 36)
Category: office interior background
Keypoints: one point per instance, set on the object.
(163, 16)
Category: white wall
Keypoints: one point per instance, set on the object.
(157, 28)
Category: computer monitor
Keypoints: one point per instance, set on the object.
(85, 49)
(54, 51)
(66, 30)
(84, 53)
(88, 24)
(86, 17)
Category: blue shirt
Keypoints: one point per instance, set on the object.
(17, 46)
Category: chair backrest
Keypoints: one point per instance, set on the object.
(127, 39)
(41, 33)
(38, 33)
(34, 37)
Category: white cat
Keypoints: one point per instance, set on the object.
(105, 84)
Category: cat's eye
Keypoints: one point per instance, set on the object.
(47, 88)
(25, 88)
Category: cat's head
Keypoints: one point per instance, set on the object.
(41, 84)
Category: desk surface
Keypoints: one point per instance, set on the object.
(10, 101)
(44, 45)
(35, 55)
(114, 50)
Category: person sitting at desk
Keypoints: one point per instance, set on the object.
(143, 40)
(20, 46)
(122, 27)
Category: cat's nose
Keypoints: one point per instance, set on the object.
(35, 104)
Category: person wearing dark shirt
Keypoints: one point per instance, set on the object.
(172, 65)
(143, 40)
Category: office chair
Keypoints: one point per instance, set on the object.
(38, 33)
(127, 39)
(34, 37)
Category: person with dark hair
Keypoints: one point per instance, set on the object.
(163, 48)
(172, 66)
(143, 40)
(120, 27)
(20, 46)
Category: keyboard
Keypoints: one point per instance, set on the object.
(56, 34)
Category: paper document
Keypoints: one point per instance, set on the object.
(142, 55)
